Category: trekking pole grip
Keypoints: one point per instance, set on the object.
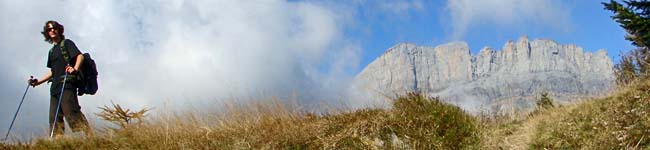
(32, 82)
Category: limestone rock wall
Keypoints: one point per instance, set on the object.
(493, 80)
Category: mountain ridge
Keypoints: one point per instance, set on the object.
(520, 69)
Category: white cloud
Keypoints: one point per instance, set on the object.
(181, 53)
(466, 14)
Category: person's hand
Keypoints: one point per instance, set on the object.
(32, 81)
(70, 70)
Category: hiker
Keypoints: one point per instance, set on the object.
(69, 106)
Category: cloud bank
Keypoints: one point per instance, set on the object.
(175, 54)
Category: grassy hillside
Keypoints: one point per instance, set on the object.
(620, 121)
(415, 122)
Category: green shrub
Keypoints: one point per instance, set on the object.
(545, 102)
(429, 123)
(415, 121)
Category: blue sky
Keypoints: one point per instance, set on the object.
(188, 55)
(580, 22)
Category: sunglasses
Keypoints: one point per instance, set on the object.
(51, 29)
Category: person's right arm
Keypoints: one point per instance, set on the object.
(45, 78)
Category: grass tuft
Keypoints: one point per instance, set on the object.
(121, 117)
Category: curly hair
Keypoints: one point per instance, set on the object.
(56, 26)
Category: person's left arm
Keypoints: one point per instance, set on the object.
(74, 51)
(77, 64)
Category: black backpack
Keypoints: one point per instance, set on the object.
(87, 80)
(88, 84)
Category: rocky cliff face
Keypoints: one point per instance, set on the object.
(491, 80)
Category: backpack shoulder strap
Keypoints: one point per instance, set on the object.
(64, 52)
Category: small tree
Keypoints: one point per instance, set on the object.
(545, 101)
(635, 19)
(634, 65)
(625, 70)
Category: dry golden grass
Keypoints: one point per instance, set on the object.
(620, 121)
(414, 122)
(560, 127)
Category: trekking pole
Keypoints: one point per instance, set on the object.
(21, 104)
(56, 114)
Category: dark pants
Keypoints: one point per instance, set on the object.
(70, 110)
